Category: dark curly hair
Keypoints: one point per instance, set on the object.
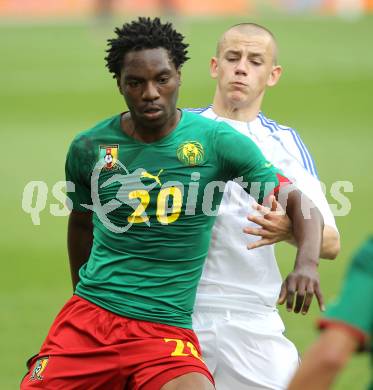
(144, 33)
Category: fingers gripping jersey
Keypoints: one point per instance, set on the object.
(154, 209)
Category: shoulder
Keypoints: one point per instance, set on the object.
(281, 132)
(290, 140)
(221, 134)
(192, 118)
(90, 136)
(276, 127)
(198, 110)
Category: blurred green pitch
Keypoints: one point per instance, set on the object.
(53, 84)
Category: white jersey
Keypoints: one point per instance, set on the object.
(236, 278)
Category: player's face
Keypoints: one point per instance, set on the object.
(245, 67)
(150, 83)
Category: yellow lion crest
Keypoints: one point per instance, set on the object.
(190, 153)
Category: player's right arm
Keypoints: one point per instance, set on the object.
(79, 241)
(80, 227)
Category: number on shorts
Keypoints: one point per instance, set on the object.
(181, 348)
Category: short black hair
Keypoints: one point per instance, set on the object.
(145, 33)
(255, 27)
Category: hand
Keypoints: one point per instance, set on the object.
(275, 224)
(301, 284)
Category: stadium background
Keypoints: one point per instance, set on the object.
(54, 84)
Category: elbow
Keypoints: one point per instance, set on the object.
(333, 249)
(332, 361)
(331, 244)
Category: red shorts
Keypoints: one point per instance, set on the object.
(91, 348)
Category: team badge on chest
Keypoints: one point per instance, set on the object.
(190, 153)
(109, 155)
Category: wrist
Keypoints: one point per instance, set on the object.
(306, 262)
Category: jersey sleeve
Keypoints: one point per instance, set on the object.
(77, 171)
(239, 156)
(298, 150)
(291, 158)
(353, 311)
(311, 187)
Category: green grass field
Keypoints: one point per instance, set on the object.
(54, 84)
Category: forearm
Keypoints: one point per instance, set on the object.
(79, 242)
(315, 372)
(307, 227)
(330, 246)
(303, 282)
(323, 361)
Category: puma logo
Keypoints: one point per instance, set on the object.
(154, 177)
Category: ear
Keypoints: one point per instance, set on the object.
(118, 84)
(214, 67)
(179, 76)
(274, 76)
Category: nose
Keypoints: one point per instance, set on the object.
(150, 92)
(241, 68)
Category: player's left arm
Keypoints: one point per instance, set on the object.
(303, 282)
(307, 180)
(239, 156)
(275, 226)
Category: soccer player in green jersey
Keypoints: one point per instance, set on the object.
(147, 183)
(347, 324)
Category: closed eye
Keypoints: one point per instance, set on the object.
(232, 59)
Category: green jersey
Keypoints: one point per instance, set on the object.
(154, 206)
(354, 308)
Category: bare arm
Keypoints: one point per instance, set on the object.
(324, 360)
(331, 244)
(275, 226)
(303, 282)
(79, 241)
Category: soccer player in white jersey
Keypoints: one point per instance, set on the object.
(236, 319)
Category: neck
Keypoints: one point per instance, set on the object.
(236, 110)
(148, 133)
